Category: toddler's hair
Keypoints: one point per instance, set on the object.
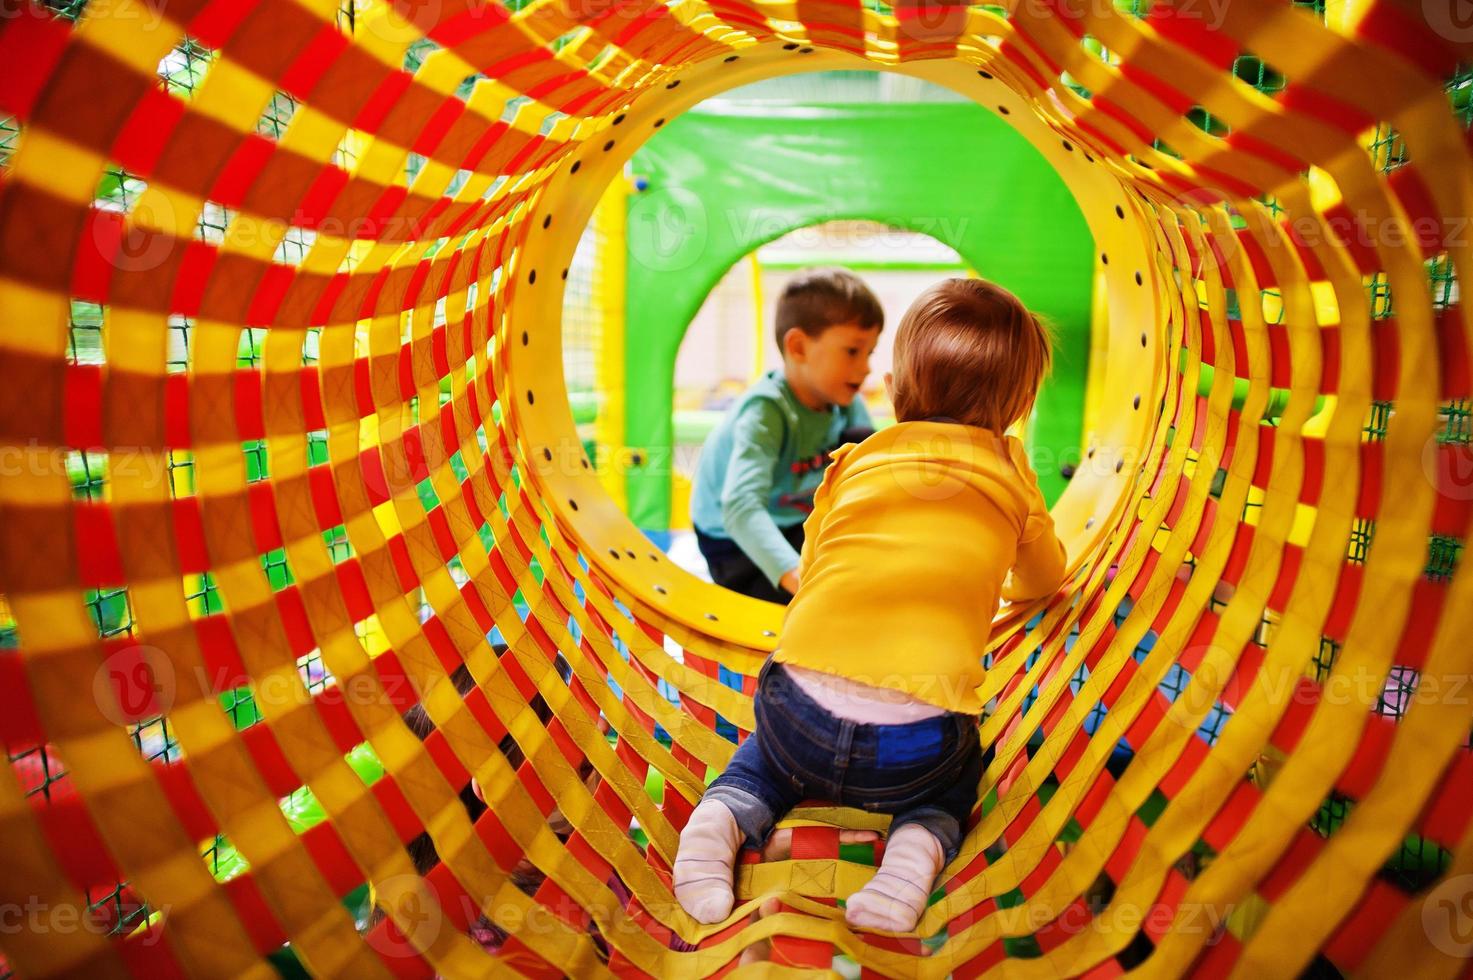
(969, 351)
(816, 299)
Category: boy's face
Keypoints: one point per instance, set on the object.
(830, 368)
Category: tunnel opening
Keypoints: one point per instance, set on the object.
(689, 213)
(381, 471)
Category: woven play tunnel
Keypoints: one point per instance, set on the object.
(297, 535)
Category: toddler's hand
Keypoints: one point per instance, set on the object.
(779, 846)
(789, 581)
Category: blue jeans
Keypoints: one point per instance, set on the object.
(924, 772)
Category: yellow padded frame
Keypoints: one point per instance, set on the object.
(1207, 534)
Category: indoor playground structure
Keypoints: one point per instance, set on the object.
(694, 208)
(325, 648)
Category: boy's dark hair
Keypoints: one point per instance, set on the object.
(970, 351)
(816, 299)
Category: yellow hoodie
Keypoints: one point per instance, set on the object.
(906, 554)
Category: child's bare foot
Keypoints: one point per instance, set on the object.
(703, 863)
(896, 896)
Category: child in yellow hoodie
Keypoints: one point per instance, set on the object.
(871, 698)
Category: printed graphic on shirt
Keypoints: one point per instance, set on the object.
(804, 472)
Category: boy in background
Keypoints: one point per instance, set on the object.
(760, 466)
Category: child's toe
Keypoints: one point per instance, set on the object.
(708, 904)
(869, 909)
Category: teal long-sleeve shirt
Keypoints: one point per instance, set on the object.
(760, 466)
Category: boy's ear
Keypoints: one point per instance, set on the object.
(795, 344)
(890, 386)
